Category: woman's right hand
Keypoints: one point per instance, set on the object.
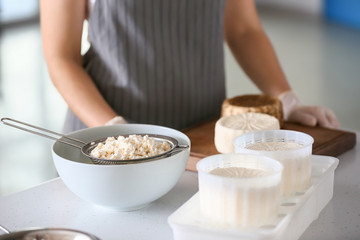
(116, 120)
(62, 29)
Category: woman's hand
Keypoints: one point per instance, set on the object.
(307, 115)
(116, 120)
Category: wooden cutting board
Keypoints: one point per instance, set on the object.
(328, 142)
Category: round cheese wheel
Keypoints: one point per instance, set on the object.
(229, 127)
(253, 103)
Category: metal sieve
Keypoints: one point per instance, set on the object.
(87, 147)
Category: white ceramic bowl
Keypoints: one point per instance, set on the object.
(121, 187)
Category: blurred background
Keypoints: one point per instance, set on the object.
(317, 42)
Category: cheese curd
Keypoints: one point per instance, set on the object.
(132, 147)
(238, 172)
(274, 146)
(229, 127)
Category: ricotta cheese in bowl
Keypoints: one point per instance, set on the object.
(131, 147)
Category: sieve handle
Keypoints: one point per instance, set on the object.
(177, 149)
(7, 120)
(4, 229)
(182, 146)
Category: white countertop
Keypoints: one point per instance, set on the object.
(51, 204)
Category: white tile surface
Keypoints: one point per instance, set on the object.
(321, 61)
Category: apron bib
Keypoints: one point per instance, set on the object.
(157, 61)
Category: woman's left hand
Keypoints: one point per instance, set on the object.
(294, 111)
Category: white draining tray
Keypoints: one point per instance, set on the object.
(295, 214)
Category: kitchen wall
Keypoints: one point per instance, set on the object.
(311, 7)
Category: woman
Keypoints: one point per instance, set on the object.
(159, 61)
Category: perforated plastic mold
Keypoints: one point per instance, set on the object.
(294, 217)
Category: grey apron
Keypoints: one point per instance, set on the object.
(157, 61)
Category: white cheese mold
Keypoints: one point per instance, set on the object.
(292, 148)
(246, 194)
